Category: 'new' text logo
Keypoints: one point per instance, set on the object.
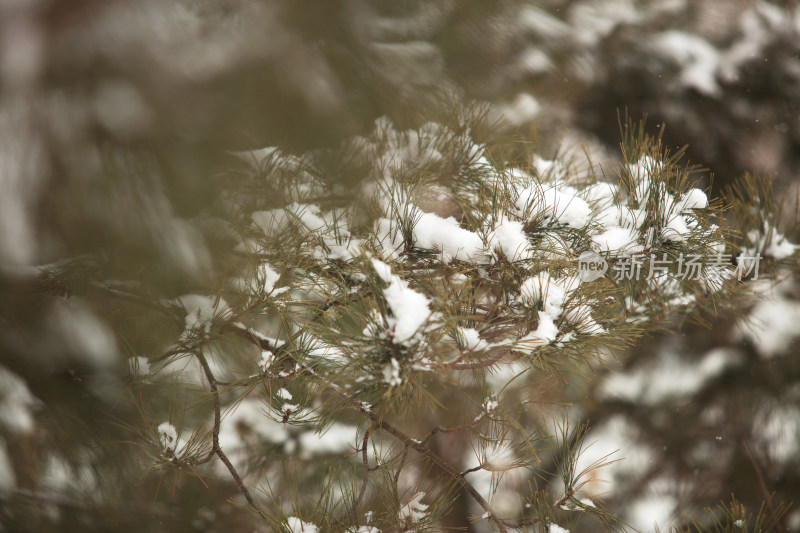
(591, 266)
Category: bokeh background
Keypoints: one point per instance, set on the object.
(117, 119)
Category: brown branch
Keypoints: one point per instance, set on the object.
(567, 497)
(212, 382)
(402, 464)
(216, 449)
(379, 423)
(473, 469)
(365, 480)
(249, 335)
(419, 446)
(454, 429)
(468, 365)
(333, 303)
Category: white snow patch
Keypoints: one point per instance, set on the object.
(8, 480)
(669, 377)
(618, 240)
(139, 366)
(505, 374)
(771, 326)
(771, 243)
(410, 310)
(566, 206)
(615, 439)
(694, 199)
(201, 310)
(255, 157)
(601, 192)
(553, 293)
(274, 221)
(414, 510)
(471, 339)
(593, 21)
(266, 360)
(15, 403)
(432, 232)
(522, 110)
(383, 270)
(653, 510)
(777, 426)
(296, 525)
(580, 317)
(509, 238)
(336, 439)
(168, 436)
(266, 278)
(534, 60)
(284, 394)
(391, 373)
(489, 406)
(698, 59)
(83, 333)
(544, 333)
(498, 457)
(246, 424)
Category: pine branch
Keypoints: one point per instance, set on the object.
(216, 449)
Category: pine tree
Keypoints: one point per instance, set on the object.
(387, 324)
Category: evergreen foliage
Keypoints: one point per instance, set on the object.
(383, 322)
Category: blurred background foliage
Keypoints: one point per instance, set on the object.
(117, 123)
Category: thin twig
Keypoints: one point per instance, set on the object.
(365, 460)
(216, 449)
(402, 464)
(454, 429)
(468, 365)
(408, 442)
(473, 469)
(379, 423)
(249, 335)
